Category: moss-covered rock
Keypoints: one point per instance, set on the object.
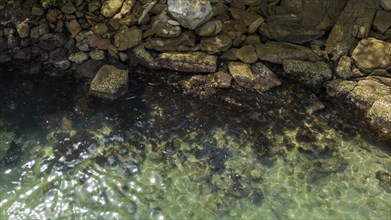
(109, 83)
(195, 62)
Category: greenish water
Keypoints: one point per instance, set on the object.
(157, 154)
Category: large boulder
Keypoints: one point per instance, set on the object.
(190, 13)
(371, 54)
(109, 83)
(276, 52)
(311, 74)
(193, 62)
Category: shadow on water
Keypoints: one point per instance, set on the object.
(156, 153)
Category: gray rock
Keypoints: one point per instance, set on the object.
(78, 57)
(110, 7)
(97, 54)
(371, 54)
(128, 38)
(109, 83)
(40, 30)
(277, 52)
(162, 28)
(193, 62)
(382, 21)
(190, 13)
(311, 74)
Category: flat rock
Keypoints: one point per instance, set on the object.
(194, 62)
(109, 83)
(382, 21)
(276, 52)
(265, 79)
(242, 74)
(311, 74)
(247, 54)
(340, 88)
(366, 92)
(371, 54)
(184, 42)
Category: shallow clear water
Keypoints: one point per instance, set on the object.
(158, 154)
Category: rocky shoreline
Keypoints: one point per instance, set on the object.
(342, 46)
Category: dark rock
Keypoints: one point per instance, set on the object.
(184, 42)
(62, 64)
(311, 74)
(265, 79)
(384, 180)
(219, 80)
(277, 52)
(57, 55)
(140, 56)
(382, 21)
(4, 57)
(89, 68)
(109, 83)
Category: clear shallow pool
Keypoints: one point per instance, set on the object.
(158, 154)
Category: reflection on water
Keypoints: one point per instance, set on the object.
(157, 154)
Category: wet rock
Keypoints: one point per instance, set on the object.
(78, 57)
(102, 44)
(196, 62)
(40, 30)
(140, 56)
(5, 58)
(126, 8)
(62, 64)
(216, 44)
(200, 12)
(110, 7)
(100, 29)
(109, 83)
(163, 28)
(340, 88)
(371, 54)
(219, 80)
(380, 116)
(193, 84)
(343, 69)
(69, 8)
(89, 68)
(277, 52)
(384, 177)
(242, 74)
(253, 27)
(210, 28)
(367, 92)
(247, 54)
(37, 11)
(74, 27)
(23, 29)
(385, 4)
(265, 79)
(382, 21)
(290, 32)
(244, 17)
(97, 54)
(127, 39)
(311, 74)
(313, 104)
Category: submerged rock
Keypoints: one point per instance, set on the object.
(371, 54)
(193, 62)
(309, 73)
(190, 13)
(276, 52)
(109, 83)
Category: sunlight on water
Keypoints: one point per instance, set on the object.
(159, 155)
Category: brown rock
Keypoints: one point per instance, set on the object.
(74, 27)
(127, 39)
(371, 54)
(194, 62)
(247, 54)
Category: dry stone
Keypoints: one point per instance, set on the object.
(190, 13)
(371, 54)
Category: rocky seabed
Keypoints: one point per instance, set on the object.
(340, 45)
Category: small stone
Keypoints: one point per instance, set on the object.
(102, 44)
(343, 69)
(219, 80)
(110, 7)
(210, 28)
(78, 57)
(255, 25)
(242, 73)
(23, 29)
(69, 8)
(97, 55)
(247, 54)
(40, 30)
(74, 28)
(109, 83)
(37, 11)
(128, 38)
(100, 29)
(62, 64)
(162, 28)
(340, 88)
(123, 57)
(216, 44)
